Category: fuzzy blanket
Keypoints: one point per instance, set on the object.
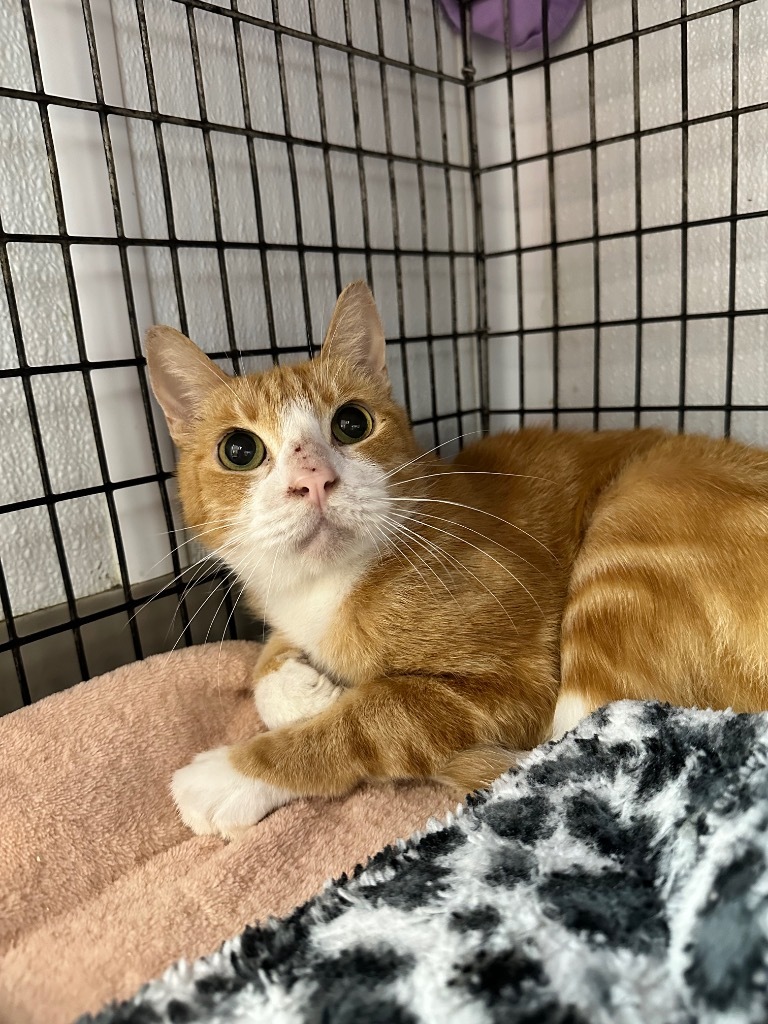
(619, 877)
(101, 886)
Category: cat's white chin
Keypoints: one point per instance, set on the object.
(213, 798)
(325, 540)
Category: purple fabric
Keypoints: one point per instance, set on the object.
(526, 22)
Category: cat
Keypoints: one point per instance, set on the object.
(432, 619)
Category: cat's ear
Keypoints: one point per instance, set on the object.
(181, 376)
(355, 332)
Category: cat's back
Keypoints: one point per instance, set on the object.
(666, 542)
(668, 597)
(552, 478)
(582, 468)
(712, 491)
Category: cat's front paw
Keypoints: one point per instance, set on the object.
(212, 797)
(294, 692)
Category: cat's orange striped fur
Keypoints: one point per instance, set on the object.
(453, 605)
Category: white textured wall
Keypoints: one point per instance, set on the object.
(46, 313)
(710, 43)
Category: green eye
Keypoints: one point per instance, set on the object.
(241, 450)
(351, 423)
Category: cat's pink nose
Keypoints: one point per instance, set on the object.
(314, 484)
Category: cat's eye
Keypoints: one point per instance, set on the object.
(241, 450)
(351, 423)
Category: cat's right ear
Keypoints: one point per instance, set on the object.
(355, 332)
(181, 376)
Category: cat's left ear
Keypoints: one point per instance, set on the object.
(181, 375)
(355, 332)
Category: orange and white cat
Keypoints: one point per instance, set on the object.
(431, 619)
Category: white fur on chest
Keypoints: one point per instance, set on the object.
(305, 611)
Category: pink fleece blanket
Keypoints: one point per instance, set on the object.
(101, 886)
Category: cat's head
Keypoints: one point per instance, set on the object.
(287, 470)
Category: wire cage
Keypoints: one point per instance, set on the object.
(575, 235)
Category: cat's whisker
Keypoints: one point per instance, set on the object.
(229, 619)
(234, 571)
(196, 579)
(423, 561)
(434, 548)
(487, 554)
(397, 550)
(195, 614)
(169, 553)
(392, 544)
(468, 472)
(177, 549)
(481, 511)
(169, 584)
(195, 530)
(212, 560)
(230, 521)
(415, 568)
(455, 563)
(371, 534)
(192, 619)
(420, 540)
(423, 455)
(199, 570)
(384, 536)
(211, 529)
(478, 580)
(228, 591)
(483, 536)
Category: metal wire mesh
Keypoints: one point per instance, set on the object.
(400, 175)
(728, 93)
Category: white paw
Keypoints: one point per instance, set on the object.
(213, 797)
(293, 693)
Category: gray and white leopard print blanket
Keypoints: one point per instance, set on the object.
(617, 876)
